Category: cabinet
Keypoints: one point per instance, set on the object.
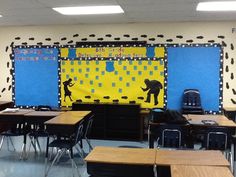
(114, 121)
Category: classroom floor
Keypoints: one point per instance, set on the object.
(12, 166)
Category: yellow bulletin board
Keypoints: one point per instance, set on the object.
(106, 78)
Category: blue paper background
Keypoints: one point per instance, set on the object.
(36, 77)
(193, 67)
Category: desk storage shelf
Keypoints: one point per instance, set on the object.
(113, 121)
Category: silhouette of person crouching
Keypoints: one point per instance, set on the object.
(153, 87)
(67, 84)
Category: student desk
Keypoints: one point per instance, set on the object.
(17, 116)
(125, 162)
(188, 157)
(132, 162)
(230, 112)
(14, 118)
(199, 171)
(40, 116)
(221, 120)
(65, 124)
(5, 104)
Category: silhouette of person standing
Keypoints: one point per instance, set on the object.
(67, 84)
(153, 87)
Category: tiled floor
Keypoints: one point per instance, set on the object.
(12, 166)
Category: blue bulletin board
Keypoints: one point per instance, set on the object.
(194, 67)
(36, 76)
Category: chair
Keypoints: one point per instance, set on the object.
(157, 115)
(170, 129)
(38, 130)
(18, 129)
(43, 108)
(65, 145)
(88, 125)
(219, 138)
(192, 102)
(172, 135)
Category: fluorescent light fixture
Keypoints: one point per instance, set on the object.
(0, 15)
(89, 10)
(217, 6)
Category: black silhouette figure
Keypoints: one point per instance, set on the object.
(153, 87)
(67, 84)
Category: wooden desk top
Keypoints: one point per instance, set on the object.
(145, 111)
(77, 113)
(199, 171)
(20, 112)
(186, 157)
(43, 114)
(68, 118)
(65, 108)
(233, 109)
(116, 155)
(221, 120)
(5, 102)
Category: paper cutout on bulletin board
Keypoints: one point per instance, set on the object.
(106, 52)
(36, 76)
(116, 80)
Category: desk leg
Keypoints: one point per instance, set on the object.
(155, 170)
(24, 153)
(151, 141)
(234, 159)
(150, 138)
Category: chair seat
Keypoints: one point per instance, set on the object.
(12, 133)
(192, 111)
(67, 144)
(40, 133)
(192, 107)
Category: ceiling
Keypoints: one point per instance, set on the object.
(39, 12)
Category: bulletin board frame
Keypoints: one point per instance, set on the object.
(220, 70)
(12, 56)
(118, 44)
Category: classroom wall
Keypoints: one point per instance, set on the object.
(165, 33)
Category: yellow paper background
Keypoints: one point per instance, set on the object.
(92, 79)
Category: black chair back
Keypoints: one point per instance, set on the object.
(192, 102)
(43, 108)
(88, 126)
(172, 135)
(80, 132)
(157, 115)
(217, 138)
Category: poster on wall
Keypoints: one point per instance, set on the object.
(194, 68)
(36, 76)
(115, 79)
(112, 52)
